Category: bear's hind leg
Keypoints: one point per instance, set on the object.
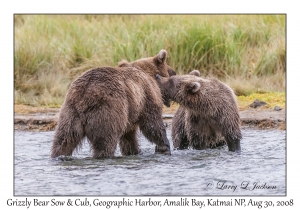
(129, 143)
(103, 146)
(68, 135)
(104, 127)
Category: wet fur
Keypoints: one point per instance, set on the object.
(206, 116)
(108, 105)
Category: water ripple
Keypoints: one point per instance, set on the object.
(185, 172)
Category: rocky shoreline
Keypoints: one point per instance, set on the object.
(251, 118)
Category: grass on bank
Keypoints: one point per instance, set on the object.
(272, 100)
(245, 51)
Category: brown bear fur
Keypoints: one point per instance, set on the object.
(108, 105)
(208, 111)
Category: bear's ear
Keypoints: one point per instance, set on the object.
(171, 72)
(195, 72)
(162, 56)
(123, 63)
(193, 87)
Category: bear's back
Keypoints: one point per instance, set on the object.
(225, 93)
(109, 86)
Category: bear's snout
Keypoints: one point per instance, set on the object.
(157, 77)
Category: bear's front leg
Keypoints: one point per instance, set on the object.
(197, 142)
(153, 128)
(179, 136)
(233, 144)
(163, 149)
(198, 131)
(232, 134)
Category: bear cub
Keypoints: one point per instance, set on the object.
(208, 111)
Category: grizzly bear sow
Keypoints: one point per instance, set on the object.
(108, 105)
(208, 110)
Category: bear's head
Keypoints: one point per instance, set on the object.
(152, 65)
(177, 88)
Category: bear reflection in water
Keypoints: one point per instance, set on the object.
(208, 112)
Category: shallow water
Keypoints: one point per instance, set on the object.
(259, 169)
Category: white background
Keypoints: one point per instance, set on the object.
(8, 8)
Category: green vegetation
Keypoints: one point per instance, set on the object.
(245, 51)
(272, 99)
